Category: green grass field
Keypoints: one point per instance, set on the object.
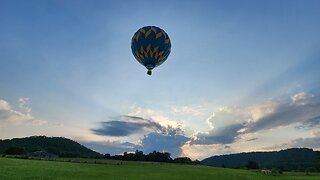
(11, 168)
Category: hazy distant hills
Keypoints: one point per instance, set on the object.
(290, 159)
(60, 146)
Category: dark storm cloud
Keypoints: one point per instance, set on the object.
(117, 128)
(127, 125)
(224, 135)
(159, 138)
(149, 143)
(167, 143)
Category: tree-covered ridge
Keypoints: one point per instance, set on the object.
(299, 159)
(60, 146)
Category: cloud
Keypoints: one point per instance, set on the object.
(149, 143)
(196, 151)
(158, 137)
(160, 115)
(304, 110)
(225, 125)
(312, 142)
(8, 114)
(299, 98)
(310, 123)
(190, 110)
(252, 139)
(39, 122)
(127, 125)
(226, 116)
(315, 133)
(209, 122)
(161, 142)
(111, 147)
(24, 104)
(225, 135)
(21, 114)
(117, 128)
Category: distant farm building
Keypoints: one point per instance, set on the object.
(42, 154)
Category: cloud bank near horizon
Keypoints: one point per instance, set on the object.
(302, 109)
(240, 124)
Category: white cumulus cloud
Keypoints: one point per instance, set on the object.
(9, 114)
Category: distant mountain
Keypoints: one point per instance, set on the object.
(60, 146)
(300, 159)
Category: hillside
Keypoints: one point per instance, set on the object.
(56, 145)
(301, 159)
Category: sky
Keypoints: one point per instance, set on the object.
(241, 76)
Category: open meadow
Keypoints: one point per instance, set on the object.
(11, 168)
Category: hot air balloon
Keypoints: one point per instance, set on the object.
(150, 46)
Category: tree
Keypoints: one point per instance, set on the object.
(182, 160)
(138, 155)
(158, 157)
(14, 151)
(107, 156)
(252, 165)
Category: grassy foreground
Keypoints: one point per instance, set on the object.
(11, 168)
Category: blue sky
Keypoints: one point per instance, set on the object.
(241, 76)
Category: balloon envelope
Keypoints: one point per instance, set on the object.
(150, 46)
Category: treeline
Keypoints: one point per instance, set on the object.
(153, 156)
(59, 146)
(295, 159)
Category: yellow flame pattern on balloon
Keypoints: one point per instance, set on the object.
(149, 51)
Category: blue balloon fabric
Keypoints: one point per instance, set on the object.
(150, 46)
